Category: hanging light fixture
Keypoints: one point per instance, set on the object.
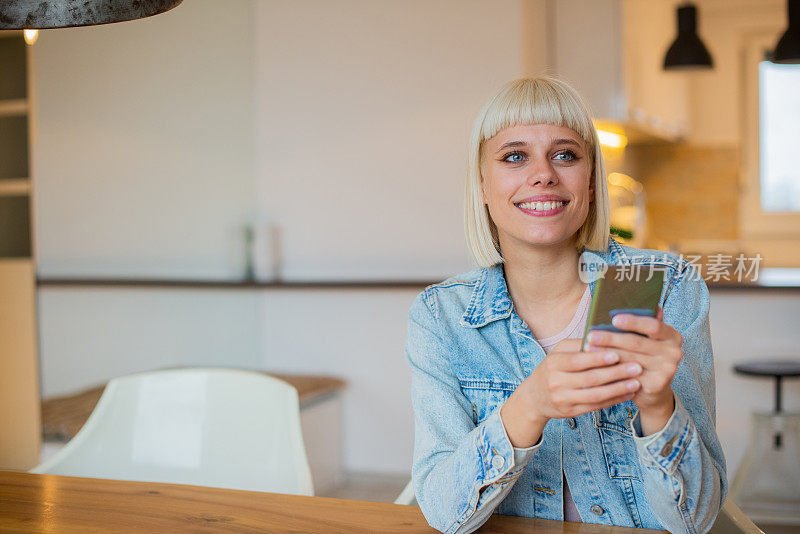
(687, 51)
(41, 14)
(788, 48)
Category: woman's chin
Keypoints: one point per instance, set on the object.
(548, 240)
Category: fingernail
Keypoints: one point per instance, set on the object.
(634, 369)
(611, 357)
(594, 337)
(633, 385)
(617, 320)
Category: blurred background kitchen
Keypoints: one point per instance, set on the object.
(268, 184)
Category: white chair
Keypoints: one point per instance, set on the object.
(730, 519)
(226, 428)
(407, 496)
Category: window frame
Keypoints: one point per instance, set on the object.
(755, 224)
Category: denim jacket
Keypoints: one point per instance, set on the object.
(469, 350)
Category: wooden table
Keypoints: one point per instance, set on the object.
(48, 503)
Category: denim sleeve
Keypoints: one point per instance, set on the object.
(461, 471)
(684, 467)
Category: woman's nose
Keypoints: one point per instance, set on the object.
(542, 174)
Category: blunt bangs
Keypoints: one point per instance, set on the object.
(538, 101)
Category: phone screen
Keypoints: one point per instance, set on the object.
(633, 289)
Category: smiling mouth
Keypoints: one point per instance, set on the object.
(544, 208)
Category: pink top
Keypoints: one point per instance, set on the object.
(573, 330)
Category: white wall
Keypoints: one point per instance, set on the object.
(143, 167)
(143, 155)
(363, 110)
(751, 325)
(359, 335)
(88, 336)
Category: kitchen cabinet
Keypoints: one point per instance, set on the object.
(20, 429)
(612, 52)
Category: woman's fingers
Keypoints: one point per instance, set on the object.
(652, 327)
(602, 394)
(604, 340)
(604, 375)
(649, 326)
(571, 362)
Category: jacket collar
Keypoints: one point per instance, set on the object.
(490, 300)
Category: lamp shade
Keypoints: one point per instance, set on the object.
(788, 48)
(42, 14)
(687, 51)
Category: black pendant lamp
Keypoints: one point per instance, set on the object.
(788, 48)
(688, 51)
(42, 14)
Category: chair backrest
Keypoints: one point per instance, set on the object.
(407, 496)
(731, 520)
(219, 427)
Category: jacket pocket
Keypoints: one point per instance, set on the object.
(616, 440)
(486, 396)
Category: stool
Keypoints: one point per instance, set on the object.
(767, 484)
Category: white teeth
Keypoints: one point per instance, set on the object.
(541, 206)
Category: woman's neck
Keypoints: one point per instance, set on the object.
(543, 277)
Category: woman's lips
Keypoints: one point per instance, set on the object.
(544, 213)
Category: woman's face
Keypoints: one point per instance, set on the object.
(526, 167)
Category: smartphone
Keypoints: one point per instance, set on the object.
(633, 289)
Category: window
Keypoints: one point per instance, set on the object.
(779, 136)
(769, 208)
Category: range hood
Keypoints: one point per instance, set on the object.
(612, 52)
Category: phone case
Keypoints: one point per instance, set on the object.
(633, 289)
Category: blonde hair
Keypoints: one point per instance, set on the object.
(527, 101)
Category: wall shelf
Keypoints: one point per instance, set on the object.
(778, 279)
(15, 186)
(231, 284)
(13, 107)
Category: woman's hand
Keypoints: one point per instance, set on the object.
(567, 383)
(659, 353)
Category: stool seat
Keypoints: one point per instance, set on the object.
(775, 368)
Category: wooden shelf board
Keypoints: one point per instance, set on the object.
(15, 186)
(232, 284)
(13, 107)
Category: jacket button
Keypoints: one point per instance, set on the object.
(571, 422)
(498, 462)
(666, 449)
(597, 510)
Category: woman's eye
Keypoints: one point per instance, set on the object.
(569, 155)
(514, 157)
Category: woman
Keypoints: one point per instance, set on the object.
(510, 415)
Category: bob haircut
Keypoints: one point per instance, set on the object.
(528, 101)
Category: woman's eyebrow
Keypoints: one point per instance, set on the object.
(566, 141)
(510, 144)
